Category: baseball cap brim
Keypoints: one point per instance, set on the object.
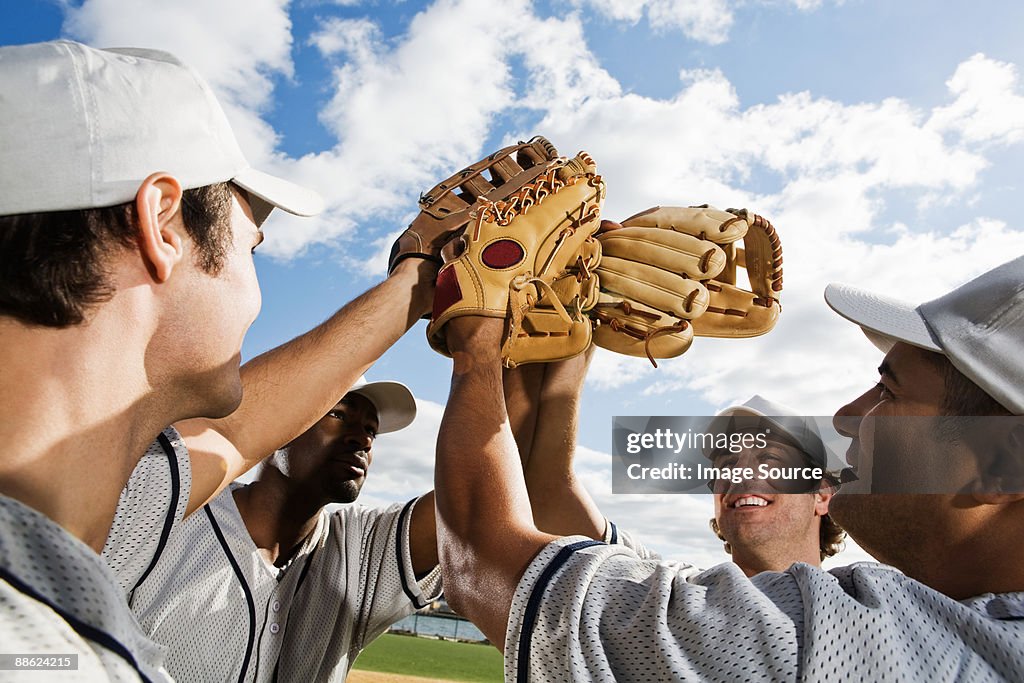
(790, 427)
(884, 320)
(395, 404)
(280, 193)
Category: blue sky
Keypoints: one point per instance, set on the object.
(883, 140)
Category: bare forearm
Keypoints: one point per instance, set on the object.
(522, 396)
(287, 389)
(561, 504)
(485, 527)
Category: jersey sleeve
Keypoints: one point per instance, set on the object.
(613, 535)
(152, 503)
(391, 590)
(605, 614)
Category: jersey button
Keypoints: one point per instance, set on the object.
(276, 606)
(274, 628)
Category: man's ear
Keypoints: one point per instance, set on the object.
(821, 500)
(1000, 478)
(161, 242)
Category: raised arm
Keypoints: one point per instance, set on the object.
(486, 534)
(561, 504)
(543, 401)
(287, 389)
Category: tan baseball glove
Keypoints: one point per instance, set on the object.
(669, 273)
(445, 208)
(529, 258)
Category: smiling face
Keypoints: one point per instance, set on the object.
(766, 528)
(332, 457)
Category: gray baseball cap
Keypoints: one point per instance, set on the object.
(81, 128)
(785, 421)
(979, 326)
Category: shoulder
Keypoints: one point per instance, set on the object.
(614, 611)
(358, 516)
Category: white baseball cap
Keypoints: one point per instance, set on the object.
(81, 128)
(979, 326)
(395, 404)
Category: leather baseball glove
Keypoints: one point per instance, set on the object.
(529, 258)
(669, 273)
(445, 208)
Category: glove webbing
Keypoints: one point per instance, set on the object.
(442, 199)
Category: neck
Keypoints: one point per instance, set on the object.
(278, 517)
(755, 560)
(79, 413)
(982, 537)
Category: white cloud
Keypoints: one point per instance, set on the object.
(407, 112)
(353, 36)
(988, 106)
(706, 21)
(702, 140)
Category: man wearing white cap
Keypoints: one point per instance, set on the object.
(266, 584)
(767, 525)
(575, 608)
(128, 217)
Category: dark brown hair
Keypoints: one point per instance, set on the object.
(54, 265)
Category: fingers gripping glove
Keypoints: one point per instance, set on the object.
(669, 273)
(529, 259)
(445, 208)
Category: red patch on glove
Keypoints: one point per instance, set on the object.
(446, 291)
(502, 254)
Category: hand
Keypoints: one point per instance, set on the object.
(424, 239)
(421, 275)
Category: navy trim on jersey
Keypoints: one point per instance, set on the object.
(533, 604)
(87, 631)
(172, 512)
(245, 589)
(615, 532)
(305, 568)
(402, 520)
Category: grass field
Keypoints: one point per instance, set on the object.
(429, 658)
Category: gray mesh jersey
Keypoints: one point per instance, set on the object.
(586, 611)
(58, 596)
(226, 614)
(613, 535)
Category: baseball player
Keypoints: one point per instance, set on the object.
(765, 526)
(575, 608)
(264, 583)
(128, 217)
